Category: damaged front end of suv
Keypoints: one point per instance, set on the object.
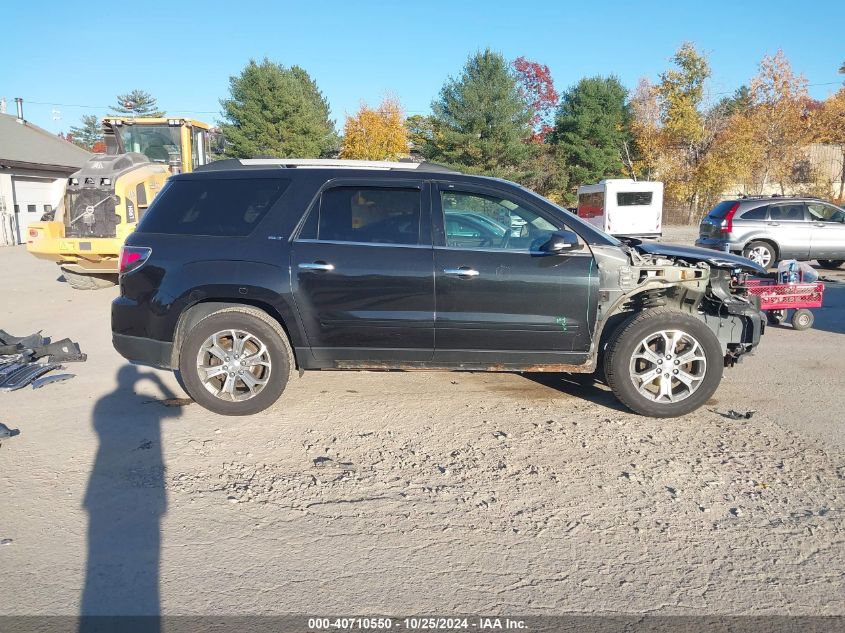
(707, 285)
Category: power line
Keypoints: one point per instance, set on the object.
(730, 92)
(109, 107)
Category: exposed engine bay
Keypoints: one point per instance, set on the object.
(706, 284)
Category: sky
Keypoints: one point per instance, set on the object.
(66, 59)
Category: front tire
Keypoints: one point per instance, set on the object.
(236, 361)
(762, 253)
(831, 264)
(664, 363)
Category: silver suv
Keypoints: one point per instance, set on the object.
(770, 229)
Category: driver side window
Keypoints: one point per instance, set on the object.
(475, 220)
(821, 212)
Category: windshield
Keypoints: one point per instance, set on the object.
(159, 143)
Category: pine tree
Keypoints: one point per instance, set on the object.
(138, 103)
(740, 102)
(276, 111)
(592, 129)
(481, 119)
(88, 134)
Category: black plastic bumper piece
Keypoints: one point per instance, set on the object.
(144, 351)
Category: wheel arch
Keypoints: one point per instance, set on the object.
(768, 240)
(198, 311)
(624, 309)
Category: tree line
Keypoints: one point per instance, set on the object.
(506, 119)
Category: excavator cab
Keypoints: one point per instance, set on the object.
(107, 197)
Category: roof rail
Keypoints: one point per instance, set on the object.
(323, 163)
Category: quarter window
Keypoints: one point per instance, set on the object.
(474, 220)
(226, 207)
(377, 215)
(755, 214)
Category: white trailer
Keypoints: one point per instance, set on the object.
(622, 206)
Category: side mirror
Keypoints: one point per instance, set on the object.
(561, 242)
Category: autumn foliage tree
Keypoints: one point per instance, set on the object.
(698, 151)
(376, 134)
(535, 81)
(829, 127)
(778, 116)
(648, 152)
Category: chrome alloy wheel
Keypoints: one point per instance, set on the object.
(668, 366)
(233, 365)
(761, 255)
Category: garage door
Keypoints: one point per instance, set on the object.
(33, 197)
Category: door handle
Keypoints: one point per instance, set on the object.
(773, 223)
(820, 225)
(321, 267)
(463, 271)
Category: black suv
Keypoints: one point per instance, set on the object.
(245, 271)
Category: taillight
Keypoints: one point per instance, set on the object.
(728, 223)
(34, 232)
(132, 257)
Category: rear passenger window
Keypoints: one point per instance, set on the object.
(787, 211)
(755, 214)
(225, 207)
(378, 215)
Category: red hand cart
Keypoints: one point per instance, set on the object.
(776, 299)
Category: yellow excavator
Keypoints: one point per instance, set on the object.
(105, 199)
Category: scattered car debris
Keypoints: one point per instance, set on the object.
(171, 402)
(25, 359)
(64, 351)
(22, 377)
(6, 541)
(6, 432)
(732, 414)
(47, 380)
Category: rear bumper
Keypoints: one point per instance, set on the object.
(144, 351)
(718, 244)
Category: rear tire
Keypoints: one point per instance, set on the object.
(831, 264)
(802, 319)
(761, 252)
(664, 363)
(86, 281)
(212, 346)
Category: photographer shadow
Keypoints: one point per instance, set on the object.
(125, 501)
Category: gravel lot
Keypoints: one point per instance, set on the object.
(403, 493)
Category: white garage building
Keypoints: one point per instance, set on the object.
(34, 167)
